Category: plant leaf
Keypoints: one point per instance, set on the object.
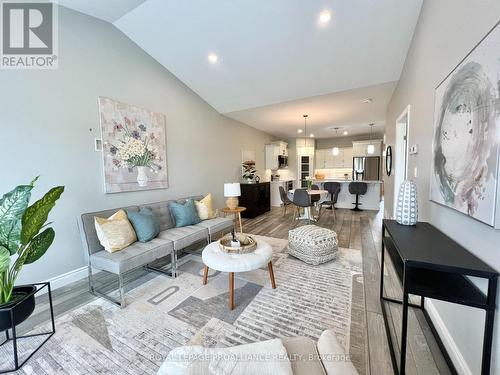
(4, 259)
(12, 206)
(37, 247)
(36, 215)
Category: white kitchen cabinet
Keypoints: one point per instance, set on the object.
(347, 157)
(320, 159)
(326, 160)
(272, 153)
(329, 159)
(338, 160)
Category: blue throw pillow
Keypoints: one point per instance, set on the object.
(184, 213)
(145, 223)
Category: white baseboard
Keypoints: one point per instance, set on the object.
(451, 347)
(67, 278)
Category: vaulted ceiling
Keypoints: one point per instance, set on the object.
(275, 60)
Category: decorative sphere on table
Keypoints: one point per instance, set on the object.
(407, 204)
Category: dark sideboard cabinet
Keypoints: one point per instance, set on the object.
(256, 198)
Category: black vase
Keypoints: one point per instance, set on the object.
(22, 307)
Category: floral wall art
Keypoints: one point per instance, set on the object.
(466, 129)
(134, 147)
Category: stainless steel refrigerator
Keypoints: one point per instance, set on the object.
(366, 168)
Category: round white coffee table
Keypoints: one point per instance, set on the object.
(215, 258)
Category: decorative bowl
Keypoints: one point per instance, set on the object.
(247, 244)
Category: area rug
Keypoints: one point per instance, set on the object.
(165, 313)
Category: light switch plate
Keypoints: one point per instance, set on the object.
(413, 149)
(415, 172)
(98, 144)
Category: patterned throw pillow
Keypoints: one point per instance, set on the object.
(184, 214)
(145, 223)
(204, 208)
(115, 233)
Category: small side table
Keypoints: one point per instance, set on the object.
(237, 216)
(216, 259)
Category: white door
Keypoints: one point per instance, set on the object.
(400, 158)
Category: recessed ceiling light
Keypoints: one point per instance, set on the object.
(367, 100)
(324, 17)
(213, 58)
(311, 135)
(345, 132)
(299, 131)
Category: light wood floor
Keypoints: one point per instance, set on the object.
(362, 231)
(356, 230)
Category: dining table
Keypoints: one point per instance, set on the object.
(307, 210)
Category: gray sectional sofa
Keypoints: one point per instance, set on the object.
(169, 242)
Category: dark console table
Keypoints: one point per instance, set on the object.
(256, 198)
(430, 264)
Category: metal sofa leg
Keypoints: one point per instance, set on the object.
(91, 279)
(95, 292)
(122, 292)
(174, 264)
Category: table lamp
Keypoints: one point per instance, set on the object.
(232, 191)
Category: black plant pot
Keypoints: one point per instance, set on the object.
(21, 307)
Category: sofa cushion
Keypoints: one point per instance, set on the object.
(185, 236)
(86, 224)
(145, 223)
(162, 212)
(133, 256)
(204, 208)
(115, 232)
(266, 357)
(216, 225)
(304, 356)
(184, 214)
(334, 357)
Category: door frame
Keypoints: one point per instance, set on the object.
(401, 151)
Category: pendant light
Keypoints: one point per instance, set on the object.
(306, 150)
(371, 148)
(335, 150)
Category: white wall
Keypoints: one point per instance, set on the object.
(446, 31)
(49, 119)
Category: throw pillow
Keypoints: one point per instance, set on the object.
(116, 232)
(145, 223)
(204, 208)
(184, 213)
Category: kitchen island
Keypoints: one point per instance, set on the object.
(369, 201)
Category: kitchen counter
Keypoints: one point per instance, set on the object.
(345, 181)
(369, 201)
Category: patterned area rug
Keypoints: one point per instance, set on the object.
(165, 313)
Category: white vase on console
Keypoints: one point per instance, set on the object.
(407, 204)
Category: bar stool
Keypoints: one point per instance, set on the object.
(357, 188)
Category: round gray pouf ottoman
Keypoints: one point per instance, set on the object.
(312, 244)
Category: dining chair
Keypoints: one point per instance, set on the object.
(333, 189)
(284, 199)
(301, 199)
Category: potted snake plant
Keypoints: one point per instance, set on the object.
(25, 236)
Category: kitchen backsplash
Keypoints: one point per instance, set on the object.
(334, 172)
